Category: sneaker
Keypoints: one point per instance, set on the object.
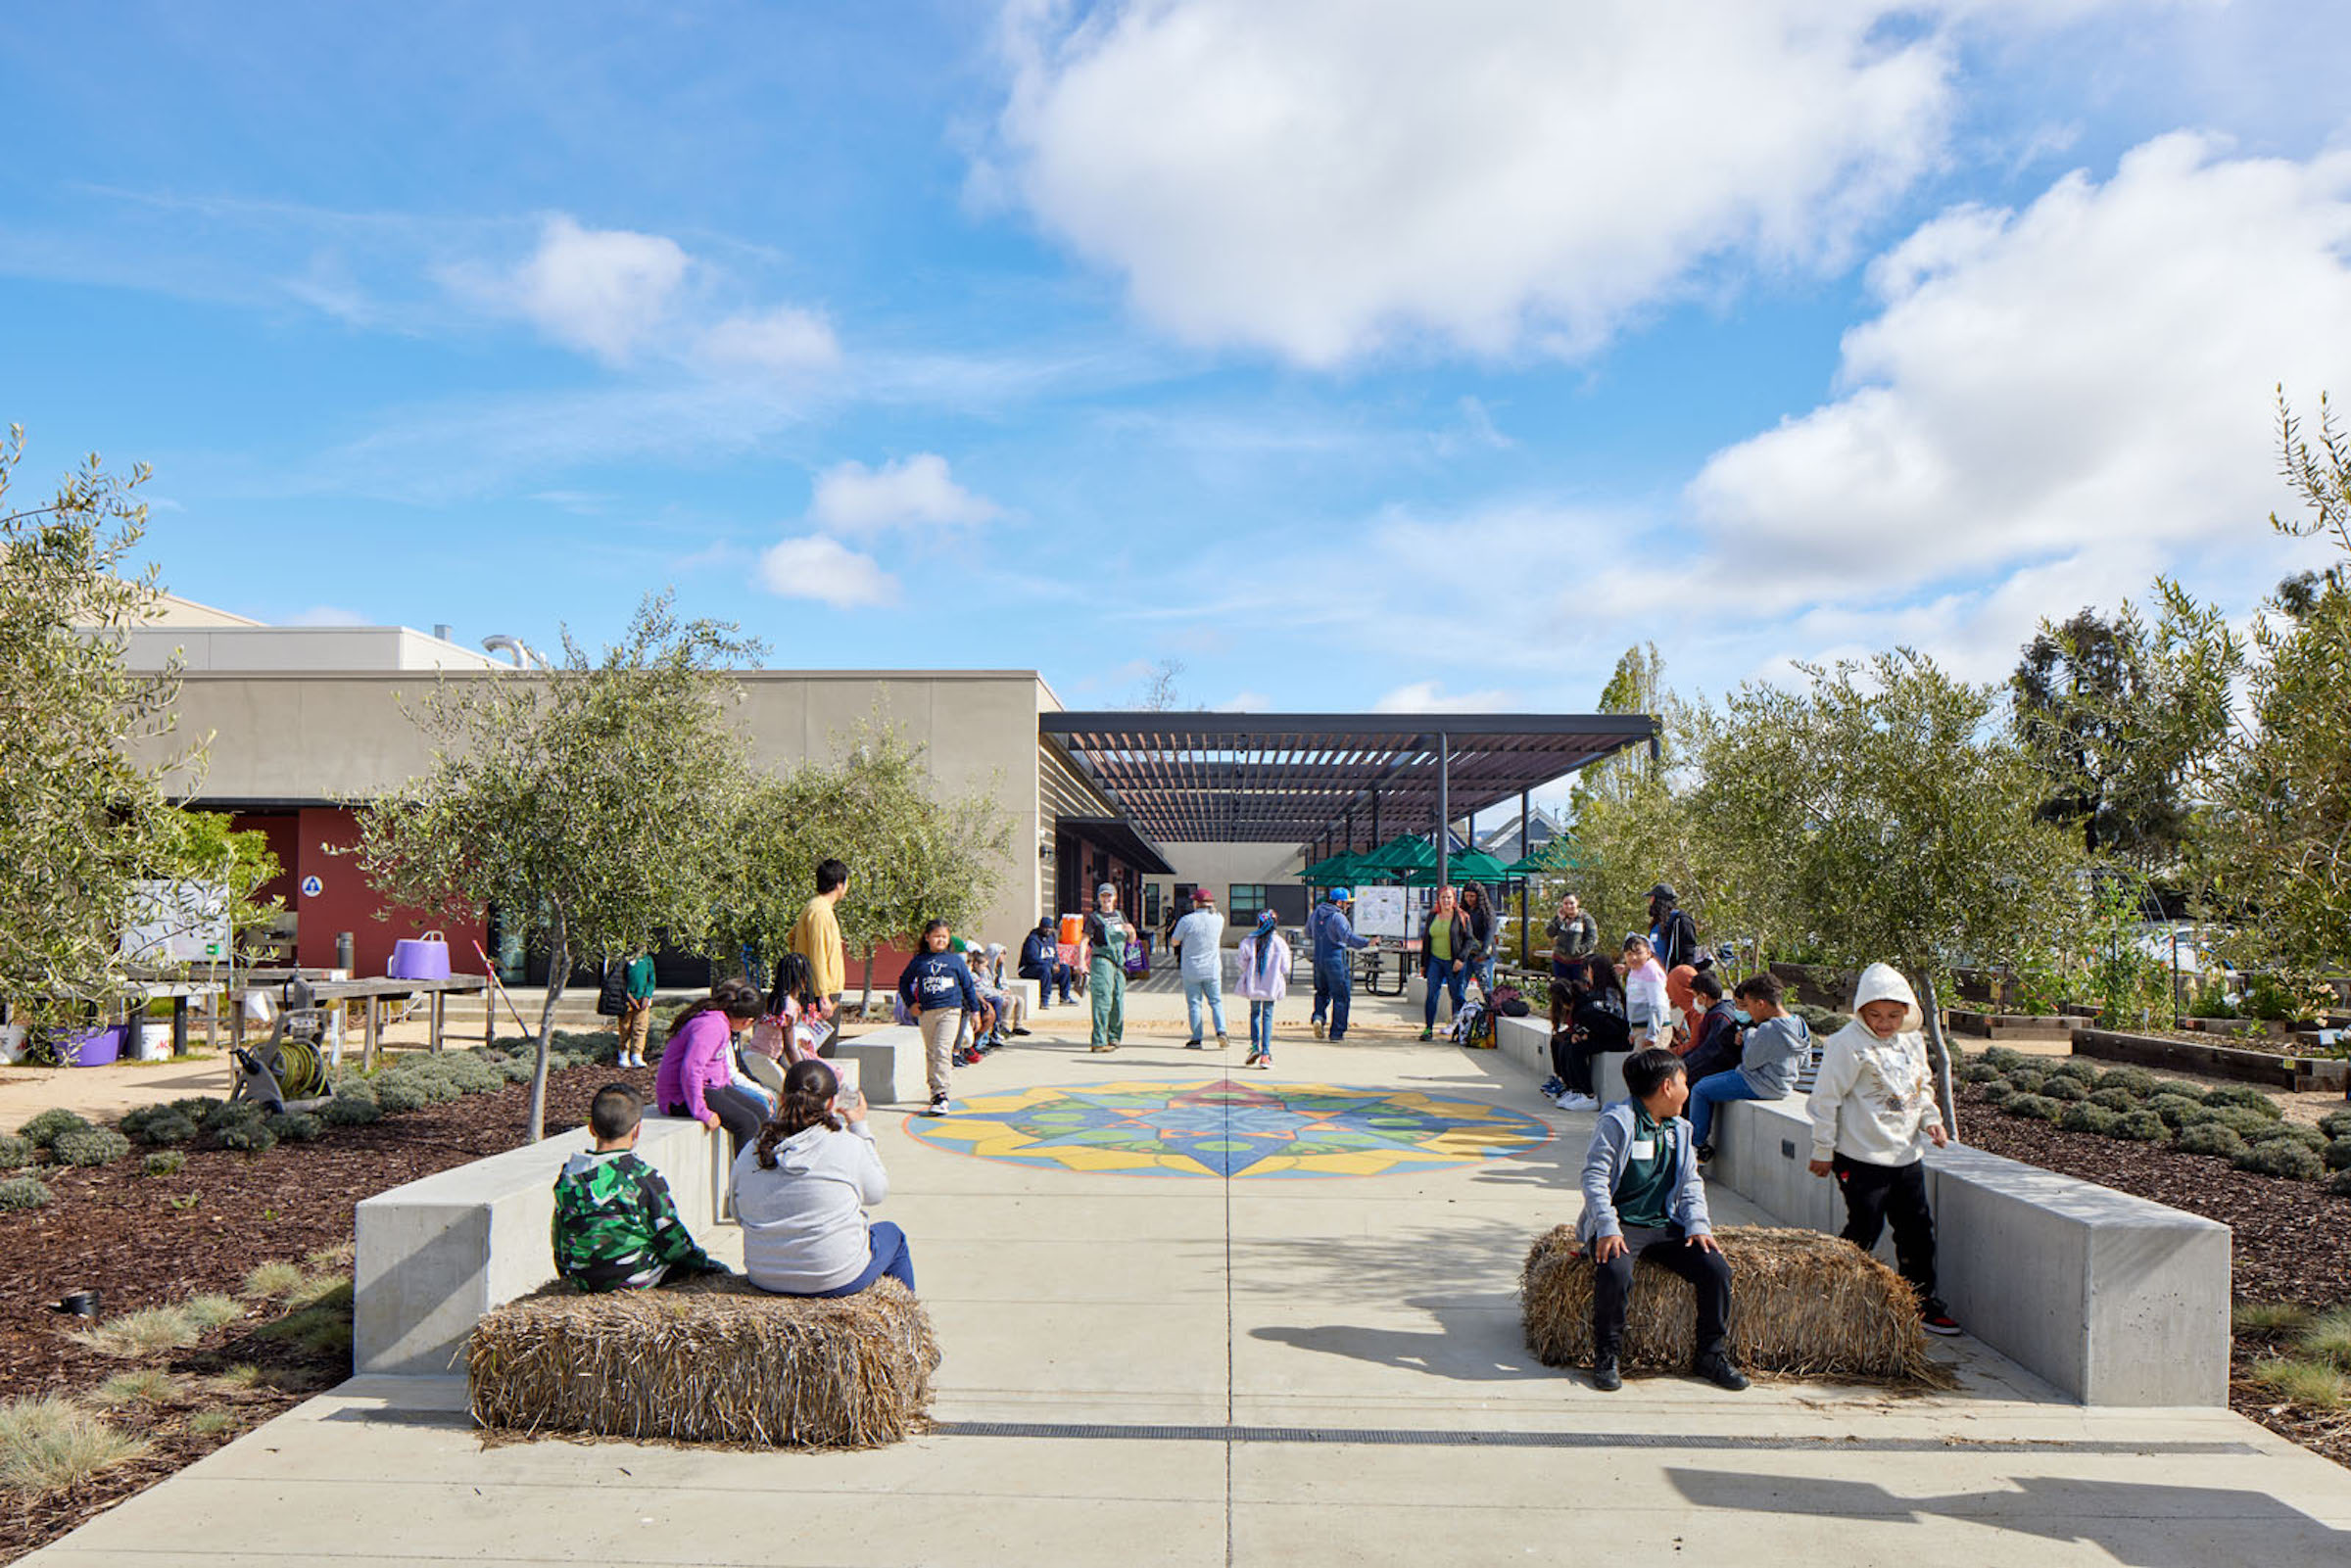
(1605, 1376)
(1935, 1320)
(939, 1105)
(1429, 1034)
(1223, 1044)
(1017, 1030)
(1705, 1153)
(1717, 1369)
(1576, 1102)
(1317, 1028)
(1266, 1061)
(1102, 1050)
(1191, 1045)
(1553, 1086)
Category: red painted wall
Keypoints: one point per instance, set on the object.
(345, 902)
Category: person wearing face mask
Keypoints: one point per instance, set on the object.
(1777, 1046)
(1873, 1103)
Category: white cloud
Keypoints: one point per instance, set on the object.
(605, 292)
(1318, 178)
(2084, 385)
(1246, 703)
(825, 569)
(851, 498)
(1426, 696)
(328, 615)
(784, 339)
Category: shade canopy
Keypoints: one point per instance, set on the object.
(1339, 870)
(1306, 777)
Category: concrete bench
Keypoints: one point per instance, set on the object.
(2113, 1299)
(1527, 1042)
(435, 1254)
(876, 1053)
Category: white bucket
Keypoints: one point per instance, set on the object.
(12, 1042)
(153, 1042)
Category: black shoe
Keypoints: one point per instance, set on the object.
(1017, 1029)
(939, 1105)
(1191, 1045)
(1605, 1376)
(1705, 1153)
(1717, 1369)
(1934, 1319)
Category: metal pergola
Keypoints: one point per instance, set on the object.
(1327, 781)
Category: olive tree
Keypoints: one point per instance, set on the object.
(1898, 817)
(82, 825)
(589, 804)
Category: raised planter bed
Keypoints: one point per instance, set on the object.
(2236, 1027)
(2281, 1070)
(2010, 1026)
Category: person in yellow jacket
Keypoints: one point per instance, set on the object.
(816, 937)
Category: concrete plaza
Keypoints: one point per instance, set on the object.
(1146, 1370)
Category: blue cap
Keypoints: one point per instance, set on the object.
(1340, 896)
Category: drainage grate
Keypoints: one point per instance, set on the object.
(1409, 1436)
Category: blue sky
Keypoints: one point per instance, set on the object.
(1353, 352)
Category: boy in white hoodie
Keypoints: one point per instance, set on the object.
(1872, 1102)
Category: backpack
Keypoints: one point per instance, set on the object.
(1600, 1020)
(1510, 1002)
(1473, 1027)
(613, 999)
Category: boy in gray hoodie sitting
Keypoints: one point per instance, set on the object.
(1643, 1200)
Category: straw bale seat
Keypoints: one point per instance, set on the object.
(1802, 1304)
(714, 1360)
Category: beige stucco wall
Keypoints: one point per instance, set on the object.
(1217, 867)
(342, 736)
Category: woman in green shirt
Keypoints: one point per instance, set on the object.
(1106, 985)
(1445, 947)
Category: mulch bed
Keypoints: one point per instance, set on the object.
(149, 1240)
(2292, 1239)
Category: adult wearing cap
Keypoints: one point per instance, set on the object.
(1334, 939)
(1111, 936)
(1200, 945)
(1672, 933)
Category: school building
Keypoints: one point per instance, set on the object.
(306, 725)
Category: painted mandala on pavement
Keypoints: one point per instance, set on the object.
(1225, 1128)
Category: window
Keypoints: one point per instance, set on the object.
(1247, 898)
(1151, 905)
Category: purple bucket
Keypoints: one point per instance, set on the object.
(91, 1048)
(423, 958)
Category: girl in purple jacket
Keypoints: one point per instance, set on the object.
(694, 1079)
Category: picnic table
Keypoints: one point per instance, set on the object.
(374, 993)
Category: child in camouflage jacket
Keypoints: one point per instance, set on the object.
(616, 1226)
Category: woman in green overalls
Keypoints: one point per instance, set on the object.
(1106, 930)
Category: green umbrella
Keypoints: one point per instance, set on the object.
(1402, 853)
(1477, 865)
(1339, 869)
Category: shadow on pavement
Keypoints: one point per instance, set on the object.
(2139, 1524)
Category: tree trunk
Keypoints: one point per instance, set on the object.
(1938, 1052)
(865, 1002)
(558, 970)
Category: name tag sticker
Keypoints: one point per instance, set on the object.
(1643, 1149)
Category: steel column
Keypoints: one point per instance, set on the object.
(1444, 808)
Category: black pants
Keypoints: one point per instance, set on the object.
(1708, 1275)
(1876, 1194)
(1571, 1060)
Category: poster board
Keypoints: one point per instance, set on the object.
(1385, 912)
(178, 923)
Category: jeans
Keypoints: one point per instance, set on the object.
(739, 1113)
(890, 1257)
(1210, 990)
(1058, 976)
(1322, 991)
(1876, 1194)
(1450, 973)
(1710, 1091)
(1261, 1027)
(1332, 975)
(1708, 1275)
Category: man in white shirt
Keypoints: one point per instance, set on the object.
(1200, 941)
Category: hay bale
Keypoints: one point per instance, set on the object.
(1802, 1304)
(715, 1360)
